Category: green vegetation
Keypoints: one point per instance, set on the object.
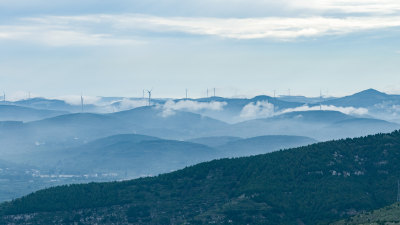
(315, 184)
(389, 215)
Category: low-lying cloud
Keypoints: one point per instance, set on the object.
(264, 109)
(170, 106)
(345, 110)
(61, 35)
(260, 109)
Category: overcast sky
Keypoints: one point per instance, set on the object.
(240, 47)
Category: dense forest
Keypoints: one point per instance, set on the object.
(315, 184)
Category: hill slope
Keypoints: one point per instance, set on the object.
(79, 128)
(262, 145)
(389, 215)
(155, 121)
(130, 154)
(18, 113)
(214, 141)
(316, 184)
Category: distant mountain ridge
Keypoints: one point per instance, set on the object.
(71, 130)
(366, 98)
(132, 155)
(318, 124)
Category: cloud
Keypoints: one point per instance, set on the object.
(388, 107)
(261, 109)
(345, 110)
(236, 8)
(348, 6)
(58, 36)
(123, 29)
(170, 106)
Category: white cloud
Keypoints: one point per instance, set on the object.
(170, 106)
(261, 109)
(207, 7)
(60, 36)
(244, 28)
(123, 29)
(349, 6)
(345, 110)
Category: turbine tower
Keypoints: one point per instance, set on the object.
(186, 93)
(4, 97)
(320, 99)
(149, 92)
(214, 92)
(207, 92)
(82, 102)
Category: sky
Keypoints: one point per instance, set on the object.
(240, 47)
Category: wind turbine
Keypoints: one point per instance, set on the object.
(4, 97)
(149, 92)
(214, 92)
(82, 101)
(320, 99)
(186, 93)
(207, 92)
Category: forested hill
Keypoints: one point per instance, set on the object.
(315, 184)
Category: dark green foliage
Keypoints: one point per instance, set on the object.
(388, 215)
(316, 184)
(137, 213)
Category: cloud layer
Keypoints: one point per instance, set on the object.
(237, 8)
(124, 29)
(345, 110)
(264, 109)
(260, 109)
(170, 106)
